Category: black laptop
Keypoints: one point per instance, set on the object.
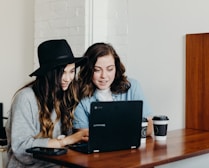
(114, 125)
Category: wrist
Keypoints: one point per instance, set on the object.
(61, 140)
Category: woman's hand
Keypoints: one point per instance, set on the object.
(150, 126)
(80, 135)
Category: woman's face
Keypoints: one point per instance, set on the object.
(104, 72)
(67, 76)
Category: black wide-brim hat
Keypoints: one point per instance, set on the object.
(54, 53)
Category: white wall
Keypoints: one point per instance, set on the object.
(110, 24)
(56, 19)
(149, 35)
(156, 44)
(16, 47)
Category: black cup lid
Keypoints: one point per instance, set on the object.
(144, 119)
(160, 117)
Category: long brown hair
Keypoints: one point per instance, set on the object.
(87, 88)
(50, 96)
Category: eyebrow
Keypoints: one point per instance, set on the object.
(105, 67)
(73, 68)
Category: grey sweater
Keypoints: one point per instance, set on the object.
(22, 125)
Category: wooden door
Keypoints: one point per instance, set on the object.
(197, 81)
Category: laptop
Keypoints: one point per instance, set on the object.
(113, 126)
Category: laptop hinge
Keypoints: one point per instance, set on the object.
(133, 147)
(96, 150)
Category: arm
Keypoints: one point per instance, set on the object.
(81, 135)
(137, 94)
(150, 126)
(81, 115)
(23, 126)
(80, 125)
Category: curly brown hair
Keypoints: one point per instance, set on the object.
(87, 88)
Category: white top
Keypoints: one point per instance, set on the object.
(104, 95)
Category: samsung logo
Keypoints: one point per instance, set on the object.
(99, 125)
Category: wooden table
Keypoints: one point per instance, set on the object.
(180, 144)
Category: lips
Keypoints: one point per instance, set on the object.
(65, 85)
(103, 82)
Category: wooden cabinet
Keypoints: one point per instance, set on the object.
(197, 81)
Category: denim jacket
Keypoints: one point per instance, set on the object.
(82, 111)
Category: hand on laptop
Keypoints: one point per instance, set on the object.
(85, 133)
(79, 136)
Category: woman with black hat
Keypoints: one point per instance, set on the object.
(42, 111)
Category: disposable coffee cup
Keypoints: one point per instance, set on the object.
(160, 124)
(144, 130)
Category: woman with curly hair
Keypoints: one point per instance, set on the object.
(42, 111)
(103, 78)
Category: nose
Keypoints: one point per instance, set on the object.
(65, 78)
(68, 77)
(103, 74)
